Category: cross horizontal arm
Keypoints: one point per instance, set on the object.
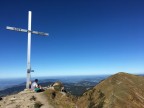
(24, 30)
(39, 33)
(16, 29)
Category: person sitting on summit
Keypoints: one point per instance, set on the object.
(36, 87)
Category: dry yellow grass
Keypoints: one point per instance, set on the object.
(121, 90)
(60, 100)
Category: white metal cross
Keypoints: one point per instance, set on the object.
(29, 44)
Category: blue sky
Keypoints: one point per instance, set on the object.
(87, 37)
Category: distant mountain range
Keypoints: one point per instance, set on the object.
(77, 88)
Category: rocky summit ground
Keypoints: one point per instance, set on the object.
(25, 99)
(52, 97)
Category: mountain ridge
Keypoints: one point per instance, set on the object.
(117, 91)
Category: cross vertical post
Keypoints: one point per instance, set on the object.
(29, 50)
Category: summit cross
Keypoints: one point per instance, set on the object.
(29, 31)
